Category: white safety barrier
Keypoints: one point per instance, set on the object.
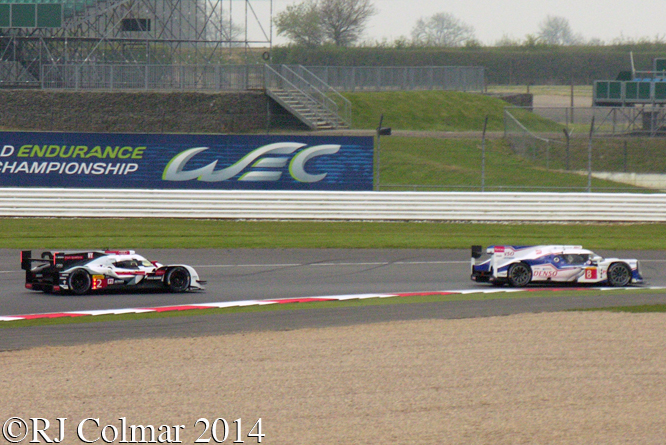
(377, 206)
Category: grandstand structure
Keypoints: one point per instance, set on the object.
(185, 45)
(40, 39)
(633, 87)
(641, 95)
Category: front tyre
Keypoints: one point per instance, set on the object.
(178, 279)
(79, 282)
(619, 275)
(520, 275)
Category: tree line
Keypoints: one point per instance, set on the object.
(330, 33)
(313, 23)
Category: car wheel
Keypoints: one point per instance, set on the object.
(79, 281)
(178, 279)
(619, 275)
(520, 275)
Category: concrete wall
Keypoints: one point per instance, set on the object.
(140, 112)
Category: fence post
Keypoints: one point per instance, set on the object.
(483, 155)
(567, 137)
(589, 158)
(572, 100)
(381, 131)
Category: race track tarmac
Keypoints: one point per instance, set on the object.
(246, 274)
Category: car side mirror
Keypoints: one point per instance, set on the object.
(597, 259)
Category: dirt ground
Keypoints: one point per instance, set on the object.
(557, 101)
(564, 378)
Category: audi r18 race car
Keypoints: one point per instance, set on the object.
(83, 271)
(521, 265)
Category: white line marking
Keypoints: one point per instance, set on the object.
(203, 266)
(114, 311)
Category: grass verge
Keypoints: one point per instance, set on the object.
(455, 164)
(433, 111)
(67, 234)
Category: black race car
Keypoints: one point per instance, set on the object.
(83, 271)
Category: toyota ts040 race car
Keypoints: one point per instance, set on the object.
(81, 272)
(520, 265)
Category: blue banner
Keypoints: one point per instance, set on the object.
(176, 161)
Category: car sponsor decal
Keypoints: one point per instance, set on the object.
(591, 273)
(544, 273)
(99, 282)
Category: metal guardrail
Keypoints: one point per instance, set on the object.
(371, 206)
(401, 78)
(92, 75)
(153, 77)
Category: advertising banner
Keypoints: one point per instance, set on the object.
(177, 161)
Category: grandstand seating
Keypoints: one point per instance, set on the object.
(633, 87)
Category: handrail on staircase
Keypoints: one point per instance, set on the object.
(277, 80)
(343, 105)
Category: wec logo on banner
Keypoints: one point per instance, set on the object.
(174, 171)
(185, 161)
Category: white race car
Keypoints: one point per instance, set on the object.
(80, 272)
(521, 265)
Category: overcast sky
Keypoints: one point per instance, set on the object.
(493, 19)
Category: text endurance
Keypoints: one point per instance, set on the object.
(52, 159)
(73, 151)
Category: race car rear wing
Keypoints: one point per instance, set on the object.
(27, 260)
(60, 260)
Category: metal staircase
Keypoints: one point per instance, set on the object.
(308, 98)
(16, 70)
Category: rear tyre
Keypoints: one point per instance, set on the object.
(178, 279)
(619, 275)
(79, 282)
(520, 275)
